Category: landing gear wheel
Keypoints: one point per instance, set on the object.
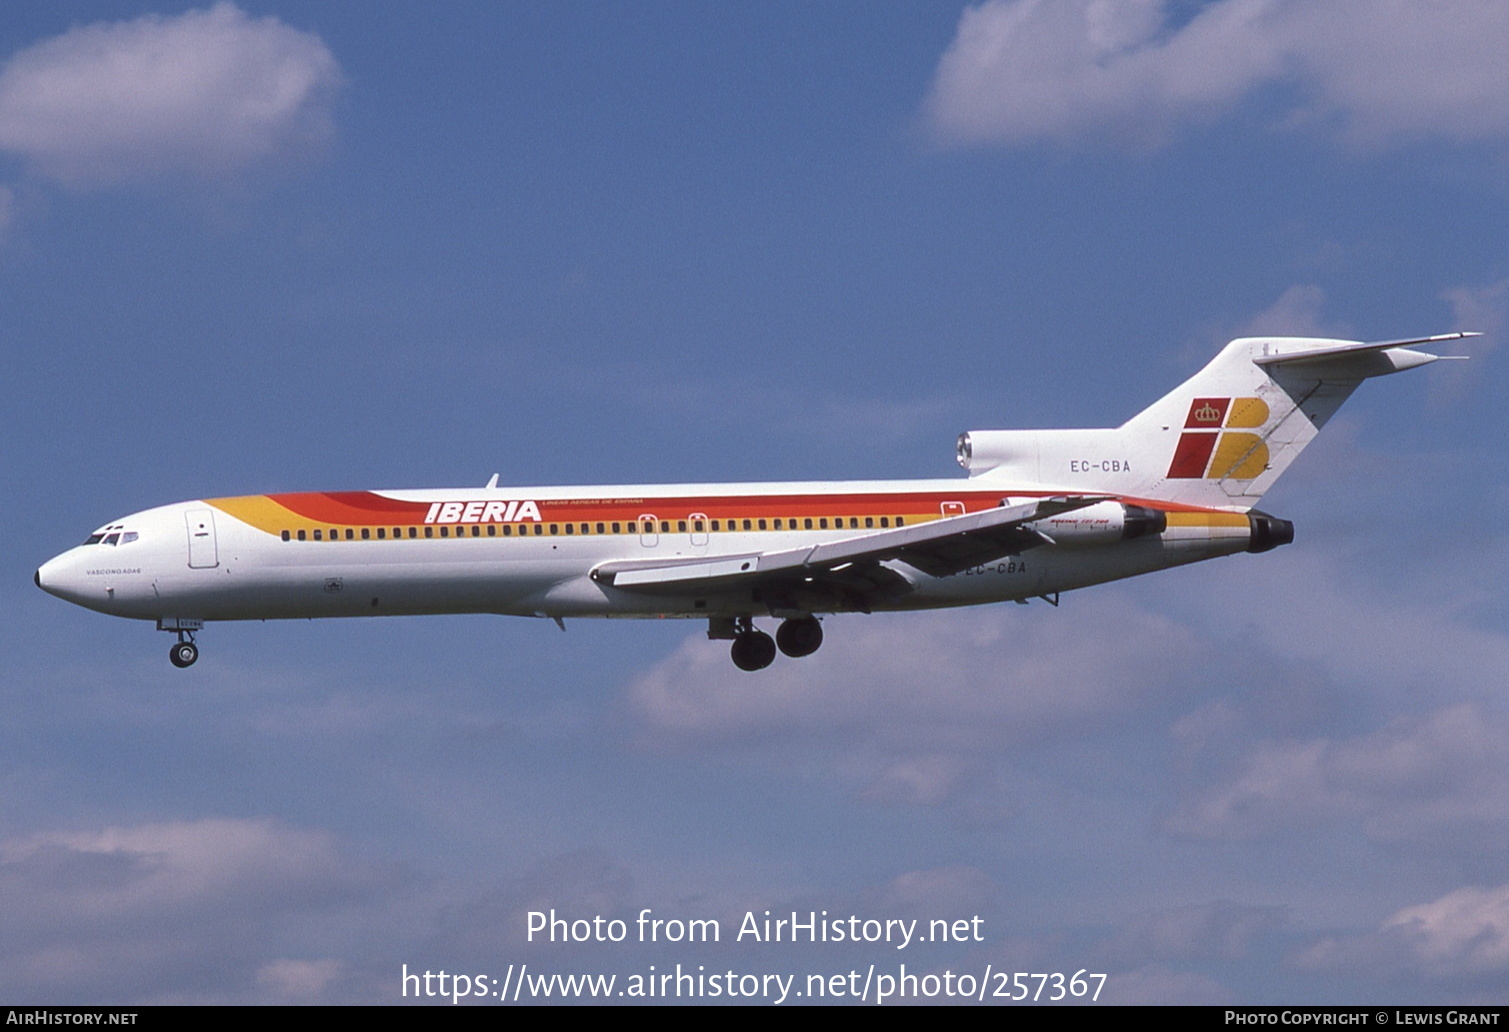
(753, 650)
(183, 654)
(799, 636)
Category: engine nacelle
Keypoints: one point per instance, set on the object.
(1101, 524)
(1268, 532)
(982, 450)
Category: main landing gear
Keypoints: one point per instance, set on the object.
(753, 649)
(799, 637)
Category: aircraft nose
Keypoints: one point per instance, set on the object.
(53, 578)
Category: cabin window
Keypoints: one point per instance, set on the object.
(382, 532)
(476, 530)
(885, 521)
(286, 535)
(778, 523)
(747, 525)
(492, 530)
(366, 533)
(602, 528)
(853, 522)
(665, 526)
(301, 535)
(762, 525)
(569, 529)
(681, 526)
(869, 521)
(317, 535)
(617, 528)
(899, 521)
(697, 526)
(507, 530)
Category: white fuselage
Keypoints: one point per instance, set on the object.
(228, 559)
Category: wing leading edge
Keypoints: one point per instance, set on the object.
(851, 568)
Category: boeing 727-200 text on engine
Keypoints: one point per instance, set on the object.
(1041, 512)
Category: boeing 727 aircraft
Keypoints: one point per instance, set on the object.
(1041, 512)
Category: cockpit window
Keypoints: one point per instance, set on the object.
(110, 539)
(95, 539)
(129, 536)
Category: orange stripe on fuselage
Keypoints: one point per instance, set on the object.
(296, 511)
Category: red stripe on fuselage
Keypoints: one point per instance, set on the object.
(357, 508)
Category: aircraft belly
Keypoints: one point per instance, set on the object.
(329, 589)
(1048, 570)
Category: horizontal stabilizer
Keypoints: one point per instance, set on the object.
(1364, 347)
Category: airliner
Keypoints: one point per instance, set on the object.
(1039, 512)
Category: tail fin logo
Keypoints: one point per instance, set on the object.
(1204, 453)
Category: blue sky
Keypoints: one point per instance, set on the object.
(311, 247)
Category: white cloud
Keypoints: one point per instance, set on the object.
(299, 980)
(1220, 930)
(1296, 313)
(1483, 309)
(206, 93)
(1468, 929)
(1378, 71)
(1462, 934)
(1157, 985)
(129, 910)
(1408, 780)
(921, 709)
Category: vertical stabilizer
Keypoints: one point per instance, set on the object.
(1219, 439)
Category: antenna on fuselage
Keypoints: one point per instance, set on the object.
(493, 482)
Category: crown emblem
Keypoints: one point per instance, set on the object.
(1207, 413)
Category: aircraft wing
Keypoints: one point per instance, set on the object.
(850, 568)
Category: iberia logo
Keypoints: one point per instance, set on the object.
(1203, 451)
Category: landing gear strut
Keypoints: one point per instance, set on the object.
(799, 636)
(752, 649)
(184, 651)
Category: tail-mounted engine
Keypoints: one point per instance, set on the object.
(1268, 532)
(1101, 524)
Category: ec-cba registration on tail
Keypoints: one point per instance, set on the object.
(1040, 512)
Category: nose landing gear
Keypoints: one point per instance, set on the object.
(184, 652)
